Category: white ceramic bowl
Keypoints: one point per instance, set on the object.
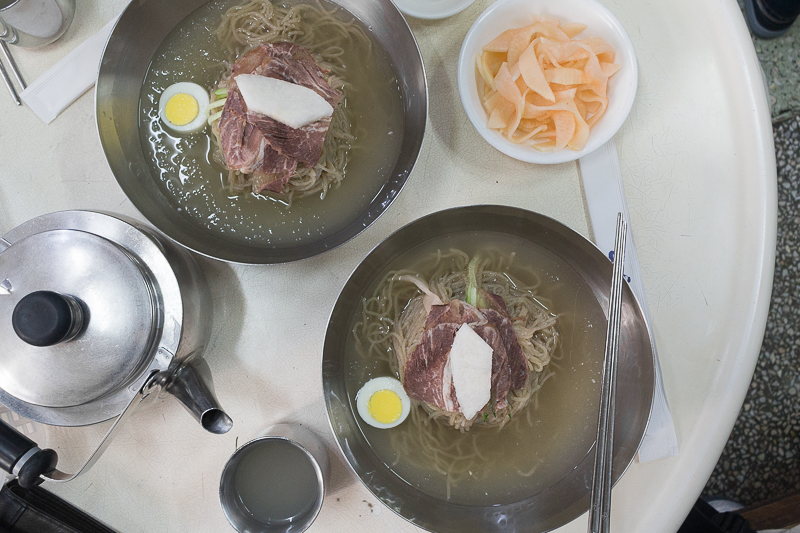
(600, 22)
(432, 9)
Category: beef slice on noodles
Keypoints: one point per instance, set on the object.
(254, 143)
(427, 374)
(497, 315)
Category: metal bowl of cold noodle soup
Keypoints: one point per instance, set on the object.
(534, 473)
(178, 181)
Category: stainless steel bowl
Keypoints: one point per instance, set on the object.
(567, 496)
(127, 56)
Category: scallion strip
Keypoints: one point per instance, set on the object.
(215, 104)
(214, 117)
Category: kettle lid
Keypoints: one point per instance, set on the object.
(79, 316)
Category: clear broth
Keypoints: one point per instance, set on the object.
(196, 185)
(544, 442)
(276, 483)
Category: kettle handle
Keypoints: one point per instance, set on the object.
(144, 390)
(20, 456)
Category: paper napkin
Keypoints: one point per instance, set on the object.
(605, 197)
(68, 79)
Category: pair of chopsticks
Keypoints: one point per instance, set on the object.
(8, 59)
(600, 507)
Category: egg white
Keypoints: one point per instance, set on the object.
(194, 90)
(371, 387)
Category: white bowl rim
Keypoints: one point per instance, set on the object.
(467, 82)
(433, 14)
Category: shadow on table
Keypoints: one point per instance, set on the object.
(313, 416)
(229, 307)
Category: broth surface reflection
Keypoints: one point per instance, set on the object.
(196, 185)
(545, 441)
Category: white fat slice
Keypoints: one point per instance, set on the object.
(471, 367)
(288, 103)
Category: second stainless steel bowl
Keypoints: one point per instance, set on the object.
(561, 493)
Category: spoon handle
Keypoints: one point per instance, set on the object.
(12, 64)
(9, 85)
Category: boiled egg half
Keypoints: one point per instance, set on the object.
(182, 107)
(383, 403)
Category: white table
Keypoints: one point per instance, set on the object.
(697, 158)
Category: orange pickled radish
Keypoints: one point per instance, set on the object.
(543, 88)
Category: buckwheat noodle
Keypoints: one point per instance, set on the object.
(391, 326)
(326, 37)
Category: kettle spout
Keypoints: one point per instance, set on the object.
(191, 384)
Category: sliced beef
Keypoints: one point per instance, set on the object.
(303, 144)
(274, 171)
(517, 363)
(455, 311)
(301, 73)
(256, 144)
(427, 374)
(497, 315)
(250, 61)
(288, 62)
(501, 375)
(242, 143)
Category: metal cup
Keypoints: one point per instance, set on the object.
(34, 23)
(311, 447)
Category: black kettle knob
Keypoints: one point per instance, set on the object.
(45, 318)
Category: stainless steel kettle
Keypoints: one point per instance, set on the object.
(97, 313)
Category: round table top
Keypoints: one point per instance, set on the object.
(698, 163)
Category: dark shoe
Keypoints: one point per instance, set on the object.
(769, 19)
(703, 518)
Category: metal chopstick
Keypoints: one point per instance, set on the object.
(12, 64)
(600, 507)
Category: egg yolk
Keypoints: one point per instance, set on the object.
(181, 109)
(385, 406)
